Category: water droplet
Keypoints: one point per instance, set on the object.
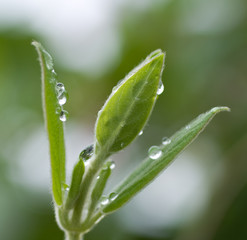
(187, 127)
(113, 196)
(65, 187)
(87, 153)
(154, 152)
(104, 200)
(160, 88)
(53, 72)
(166, 140)
(140, 133)
(62, 98)
(63, 115)
(98, 177)
(105, 166)
(112, 166)
(122, 145)
(60, 88)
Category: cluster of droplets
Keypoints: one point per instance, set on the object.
(86, 154)
(105, 200)
(62, 99)
(61, 93)
(155, 152)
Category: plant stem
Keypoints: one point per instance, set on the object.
(73, 236)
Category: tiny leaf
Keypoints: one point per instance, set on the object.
(99, 186)
(129, 106)
(76, 180)
(52, 113)
(152, 166)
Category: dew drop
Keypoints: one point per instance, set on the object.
(105, 166)
(66, 187)
(62, 98)
(87, 153)
(60, 88)
(166, 140)
(63, 116)
(154, 152)
(122, 144)
(98, 177)
(160, 88)
(113, 196)
(53, 72)
(112, 166)
(104, 200)
(140, 133)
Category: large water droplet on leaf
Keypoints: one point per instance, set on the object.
(87, 153)
(154, 152)
(104, 200)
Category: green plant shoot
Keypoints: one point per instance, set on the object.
(80, 206)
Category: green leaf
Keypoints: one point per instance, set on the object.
(99, 186)
(151, 167)
(74, 190)
(52, 114)
(129, 106)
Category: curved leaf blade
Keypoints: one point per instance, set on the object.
(53, 124)
(75, 185)
(150, 168)
(129, 106)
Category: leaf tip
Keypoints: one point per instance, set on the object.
(220, 109)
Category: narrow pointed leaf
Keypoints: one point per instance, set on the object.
(76, 180)
(129, 106)
(53, 124)
(100, 186)
(150, 168)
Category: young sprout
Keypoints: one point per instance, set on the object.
(80, 206)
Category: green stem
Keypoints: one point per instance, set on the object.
(73, 236)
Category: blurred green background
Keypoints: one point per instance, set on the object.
(203, 194)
